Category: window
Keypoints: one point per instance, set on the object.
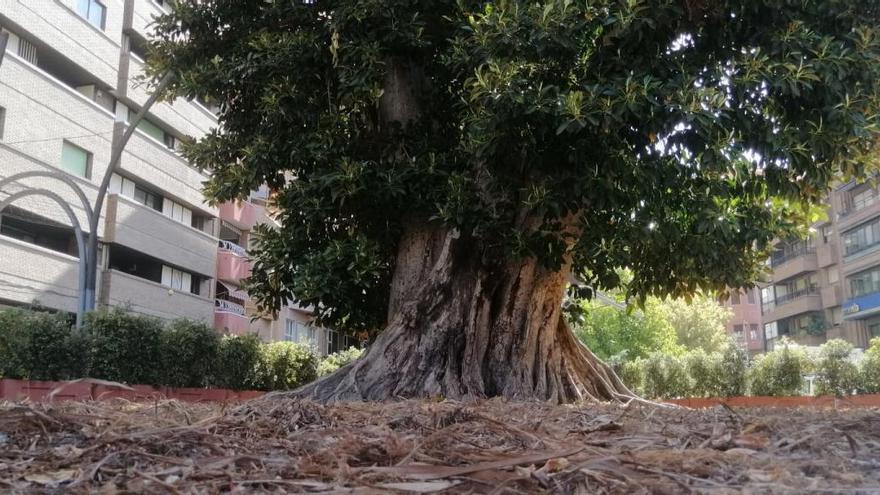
(75, 159)
(863, 199)
(861, 238)
(27, 51)
(874, 329)
(2, 121)
(735, 298)
(753, 332)
(866, 282)
(147, 198)
(771, 330)
(290, 328)
(177, 279)
(177, 211)
(93, 11)
(151, 129)
(750, 296)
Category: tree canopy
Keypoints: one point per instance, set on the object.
(677, 138)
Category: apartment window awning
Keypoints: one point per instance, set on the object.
(234, 292)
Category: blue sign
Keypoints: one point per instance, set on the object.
(862, 307)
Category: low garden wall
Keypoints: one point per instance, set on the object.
(864, 400)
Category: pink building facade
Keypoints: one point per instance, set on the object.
(746, 322)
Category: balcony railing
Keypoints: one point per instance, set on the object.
(779, 259)
(233, 247)
(224, 306)
(791, 296)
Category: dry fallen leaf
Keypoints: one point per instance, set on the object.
(52, 477)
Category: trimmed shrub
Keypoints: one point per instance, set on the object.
(633, 375)
(41, 346)
(338, 359)
(286, 365)
(665, 376)
(779, 372)
(735, 369)
(705, 373)
(869, 373)
(125, 347)
(238, 362)
(835, 373)
(189, 353)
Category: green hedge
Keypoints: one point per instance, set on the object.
(779, 372)
(118, 346)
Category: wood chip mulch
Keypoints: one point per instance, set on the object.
(292, 446)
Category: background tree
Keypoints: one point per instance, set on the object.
(443, 167)
(699, 323)
(611, 331)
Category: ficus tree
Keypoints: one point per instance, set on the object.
(444, 169)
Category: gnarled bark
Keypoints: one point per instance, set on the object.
(460, 327)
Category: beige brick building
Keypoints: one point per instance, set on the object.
(70, 80)
(828, 286)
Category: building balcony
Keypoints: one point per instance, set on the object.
(233, 264)
(790, 266)
(145, 11)
(242, 214)
(73, 116)
(58, 25)
(187, 117)
(852, 217)
(153, 163)
(792, 304)
(31, 273)
(153, 299)
(230, 317)
(146, 230)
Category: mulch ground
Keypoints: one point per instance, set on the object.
(289, 446)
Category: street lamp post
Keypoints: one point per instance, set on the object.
(92, 249)
(88, 279)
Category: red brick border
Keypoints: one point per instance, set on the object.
(42, 391)
(867, 400)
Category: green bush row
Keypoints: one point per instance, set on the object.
(781, 372)
(118, 346)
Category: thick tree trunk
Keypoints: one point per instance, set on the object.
(460, 327)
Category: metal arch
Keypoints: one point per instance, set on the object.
(52, 175)
(80, 241)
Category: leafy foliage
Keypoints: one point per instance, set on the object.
(870, 368)
(706, 373)
(735, 367)
(780, 371)
(608, 331)
(666, 376)
(699, 323)
(286, 365)
(334, 361)
(836, 374)
(238, 362)
(125, 347)
(671, 326)
(40, 346)
(702, 129)
(189, 352)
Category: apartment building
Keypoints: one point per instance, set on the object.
(745, 325)
(828, 285)
(71, 79)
